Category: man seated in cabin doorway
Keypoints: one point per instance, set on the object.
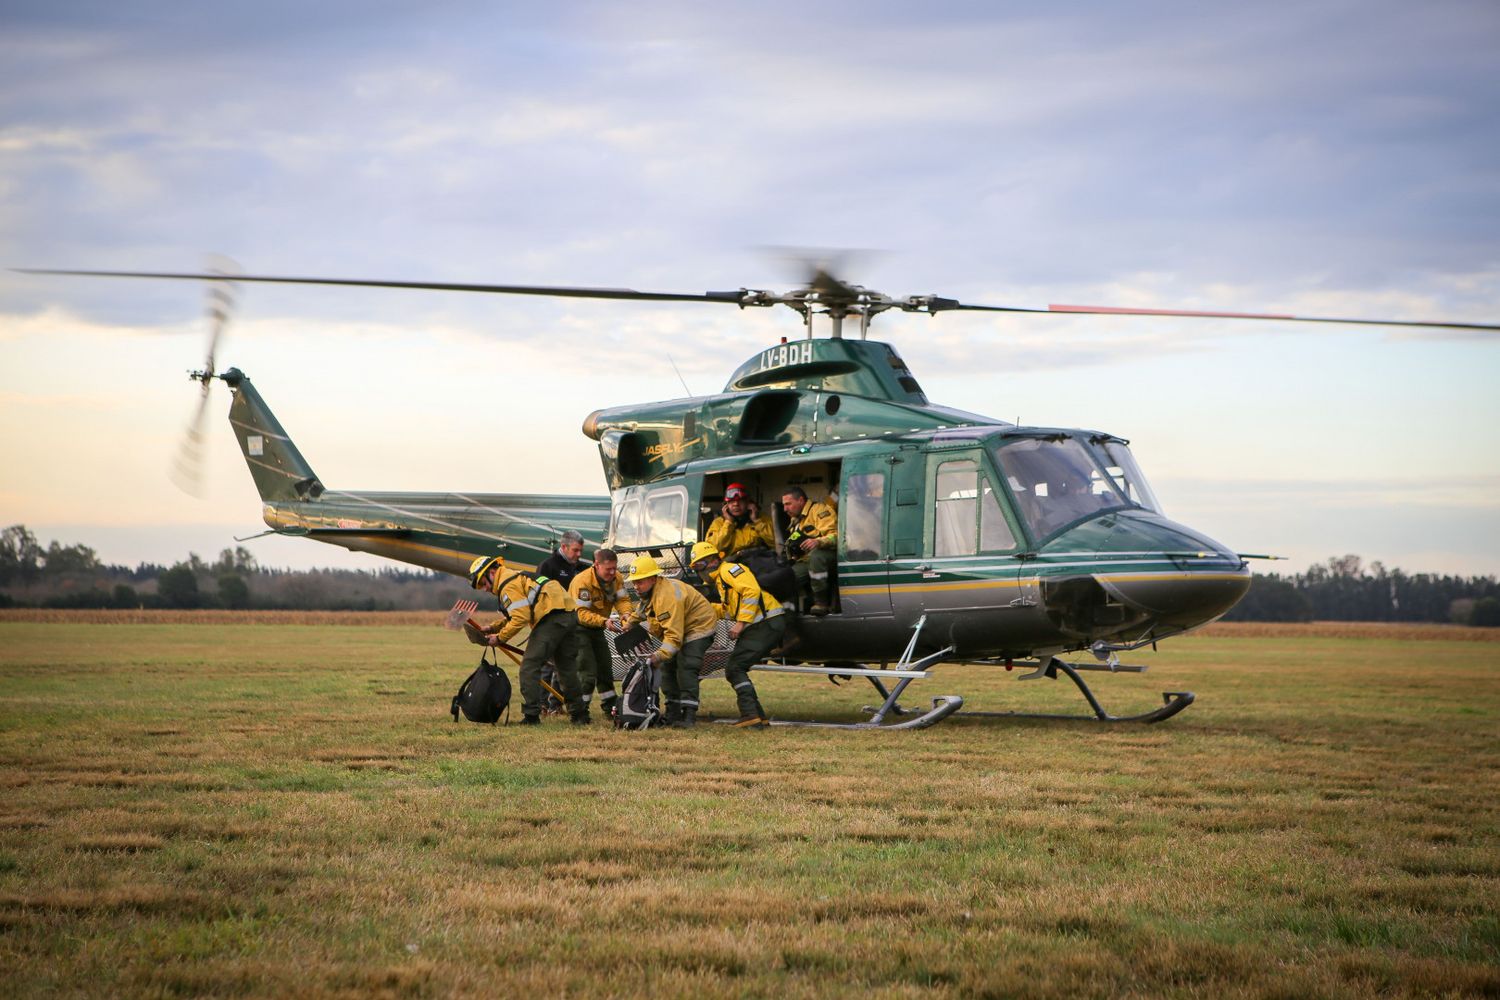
(812, 533)
(740, 525)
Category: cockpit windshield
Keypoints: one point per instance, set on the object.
(1056, 481)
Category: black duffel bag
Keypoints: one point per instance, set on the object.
(771, 573)
(485, 696)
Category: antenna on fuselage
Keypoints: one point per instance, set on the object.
(679, 375)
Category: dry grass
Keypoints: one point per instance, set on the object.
(190, 810)
(1394, 631)
(1242, 630)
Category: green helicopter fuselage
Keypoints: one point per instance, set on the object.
(1007, 541)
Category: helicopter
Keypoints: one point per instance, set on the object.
(961, 538)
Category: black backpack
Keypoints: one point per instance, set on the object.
(771, 573)
(485, 696)
(639, 706)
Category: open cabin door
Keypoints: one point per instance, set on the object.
(865, 496)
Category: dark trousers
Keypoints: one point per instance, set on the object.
(751, 648)
(554, 637)
(596, 667)
(679, 675)
(812, 573)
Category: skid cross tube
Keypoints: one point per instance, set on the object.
(907, 670)
(1172, 701)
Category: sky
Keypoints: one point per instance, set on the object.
(1323, 157)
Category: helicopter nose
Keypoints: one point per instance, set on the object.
(1180, 599)
(1168, 573)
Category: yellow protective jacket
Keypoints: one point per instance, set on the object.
(819, 520)
(596, 599)
(740, 596)
(729, 538)
(527, 599)
(676, 614)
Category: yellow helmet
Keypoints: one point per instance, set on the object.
(644, 566)
(702, 550)
(481, 566)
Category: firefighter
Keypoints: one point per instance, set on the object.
(740, 525)
(603, 605)
(812, 534)
(758, 626)
(542, 603)
(684, 621)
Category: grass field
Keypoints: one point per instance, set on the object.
(223, 808)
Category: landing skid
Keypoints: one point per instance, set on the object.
(1172, 701)
(945, 706)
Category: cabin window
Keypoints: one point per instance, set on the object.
(627, 526)
(664, 517)
(862, 515)
(655, 520)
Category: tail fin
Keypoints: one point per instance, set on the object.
(278, 468)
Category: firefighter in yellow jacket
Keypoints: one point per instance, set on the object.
(543, 604)
(599, 593)
(812, 535)
(684, 621)
(758, 624)
(739, 525)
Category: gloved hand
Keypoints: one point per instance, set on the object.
(475, 634)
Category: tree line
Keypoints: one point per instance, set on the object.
(72, 576)
(1344, 589)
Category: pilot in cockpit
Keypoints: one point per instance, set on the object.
(1070, 498)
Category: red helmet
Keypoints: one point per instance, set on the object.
(734, 490)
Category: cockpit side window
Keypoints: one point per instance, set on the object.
(967, 517)
(1122, 468)
(955, 509)
(994, 531)
(1056, 482)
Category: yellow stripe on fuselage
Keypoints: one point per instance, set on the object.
(967, 585)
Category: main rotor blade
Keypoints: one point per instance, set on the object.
(1207, 314)
(822, 282)
(562, 291)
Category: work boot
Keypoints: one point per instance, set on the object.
(818, 610)
(686, 719)
(530, 720)
(609, 705)
(672, 714)
(581, 718)
(752, 716)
